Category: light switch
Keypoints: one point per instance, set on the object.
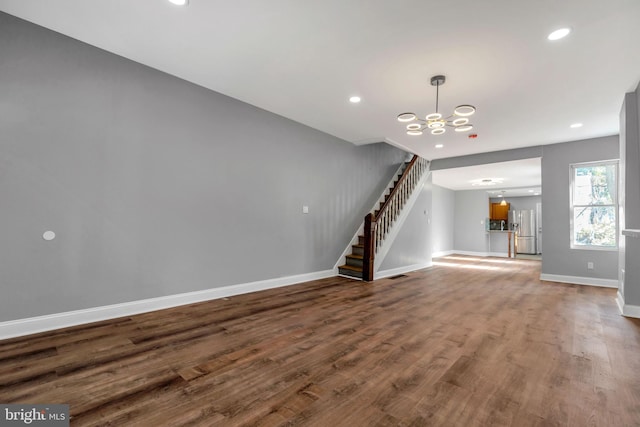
(305, 209)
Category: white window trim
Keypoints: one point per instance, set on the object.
(615, 205)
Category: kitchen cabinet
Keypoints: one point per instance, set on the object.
(499, 212)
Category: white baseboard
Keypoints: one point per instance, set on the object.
(627, 310)
(588, 281)
(442, 253)
(32, 325)
(349, 277)
(401, 270)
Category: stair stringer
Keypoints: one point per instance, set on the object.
(347, 251)
(360, 230)
(397, 224)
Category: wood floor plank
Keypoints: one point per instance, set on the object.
(469, 342)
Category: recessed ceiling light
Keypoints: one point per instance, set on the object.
(536, 194)
(559, 34)
(439, 145)
(576, 125)
(486, 181)
(530, 191)
(355, 99)
(180, 2)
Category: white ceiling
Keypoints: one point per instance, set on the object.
(304, 59)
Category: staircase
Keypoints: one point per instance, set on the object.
(354, 260)
(356, 264)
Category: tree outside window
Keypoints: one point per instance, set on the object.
(594, 205)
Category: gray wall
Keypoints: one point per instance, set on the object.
(487, 158)
(632, 164)
(444, 202)
(471, 212)
(471, 207)
(499, 244)
(413, 243)
(156, 186)
(630, 198)
(558, 257)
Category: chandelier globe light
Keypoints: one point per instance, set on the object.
(435, 122)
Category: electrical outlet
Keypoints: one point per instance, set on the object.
(589, 265)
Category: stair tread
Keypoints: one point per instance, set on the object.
(355, 256)
(350, 267)
(357, 246)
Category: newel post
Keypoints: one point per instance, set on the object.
(369, 248)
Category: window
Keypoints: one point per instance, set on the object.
(594, 205)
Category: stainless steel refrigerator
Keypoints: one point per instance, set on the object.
(524, 222)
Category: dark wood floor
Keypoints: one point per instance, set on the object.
(469, 342)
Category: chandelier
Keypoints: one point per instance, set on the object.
(435, 121)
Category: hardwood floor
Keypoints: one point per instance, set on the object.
(469, 342)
